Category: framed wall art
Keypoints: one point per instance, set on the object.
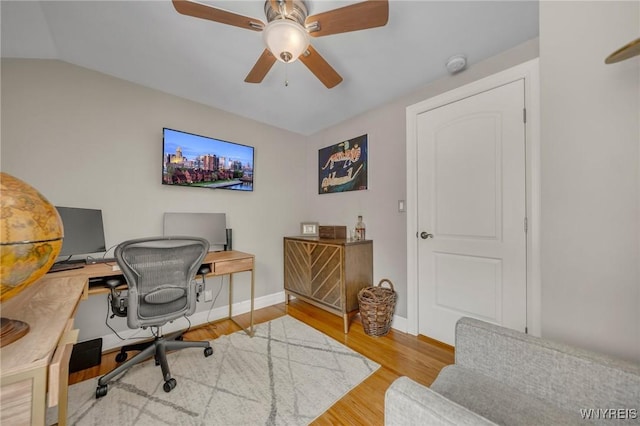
(309, 229)
(343, 166)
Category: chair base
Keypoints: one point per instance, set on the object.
(158, 348)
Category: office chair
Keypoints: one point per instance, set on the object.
(160, 275)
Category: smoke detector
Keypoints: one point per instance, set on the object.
(456, 63)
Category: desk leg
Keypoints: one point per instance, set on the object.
(39, 400)
(230, 293)
(252, 297)
(249, 330)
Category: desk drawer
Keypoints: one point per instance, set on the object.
(230, 266)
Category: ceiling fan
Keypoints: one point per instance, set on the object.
(288, 28)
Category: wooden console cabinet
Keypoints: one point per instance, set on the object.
(328, 273)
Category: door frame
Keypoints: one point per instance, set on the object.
(529, 72)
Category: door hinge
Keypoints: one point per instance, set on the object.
(526, 225)
(524, 115)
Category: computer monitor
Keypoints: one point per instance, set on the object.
(83, 231)
(210, 226)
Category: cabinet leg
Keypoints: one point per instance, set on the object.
(345, 318)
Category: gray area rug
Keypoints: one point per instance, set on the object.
(287, 374)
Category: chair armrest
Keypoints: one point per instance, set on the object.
(409, 403)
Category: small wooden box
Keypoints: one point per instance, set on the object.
(332, 232)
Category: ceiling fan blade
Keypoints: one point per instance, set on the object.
(627, 51)
(203, 11)
(359, 16)
(320, 68)
(261, 68)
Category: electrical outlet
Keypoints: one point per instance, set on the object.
(208, 295)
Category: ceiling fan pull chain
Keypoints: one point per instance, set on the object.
(286, 74)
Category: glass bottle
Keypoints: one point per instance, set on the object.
(360, 229)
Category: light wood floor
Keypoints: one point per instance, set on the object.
(399, 354)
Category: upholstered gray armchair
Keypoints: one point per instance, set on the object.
(160, 274)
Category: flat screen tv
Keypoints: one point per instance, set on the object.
(204, 162)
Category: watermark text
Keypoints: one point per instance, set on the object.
(609, 413)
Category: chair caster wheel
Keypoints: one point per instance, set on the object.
(169, 384)
(101, 391)
(121, 357)
(208, 351)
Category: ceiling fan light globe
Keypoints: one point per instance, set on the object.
(285, 39)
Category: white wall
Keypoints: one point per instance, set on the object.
(84, 139)
(590, 176)
(386, 130)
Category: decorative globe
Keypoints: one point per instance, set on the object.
(30, 235)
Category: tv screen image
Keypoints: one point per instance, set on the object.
(199, 161)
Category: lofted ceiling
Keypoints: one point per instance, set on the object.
(149, 43)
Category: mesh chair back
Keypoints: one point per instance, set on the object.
(160, 275)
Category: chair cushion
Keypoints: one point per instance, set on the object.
(498, 402)
(164, 295)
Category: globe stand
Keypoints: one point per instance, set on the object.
(11, 330)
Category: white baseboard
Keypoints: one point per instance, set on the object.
(111, 341)
(399, 323)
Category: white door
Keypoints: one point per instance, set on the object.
(471, 212)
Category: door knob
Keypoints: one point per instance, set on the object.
(425, 235)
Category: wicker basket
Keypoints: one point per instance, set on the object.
(376, 308)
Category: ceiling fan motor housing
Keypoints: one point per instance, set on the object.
(298, 12)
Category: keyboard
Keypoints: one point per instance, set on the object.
(58, 267)
(91, 261)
